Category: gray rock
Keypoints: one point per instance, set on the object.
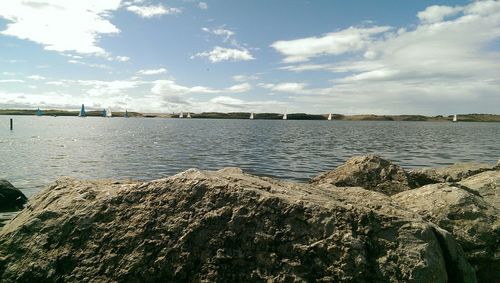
(487, 184)
(472, 221)
(223, 226)
(452, 173)
(11, 198)
(370, 172)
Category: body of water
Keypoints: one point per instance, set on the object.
(41, 149)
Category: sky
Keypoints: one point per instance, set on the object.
(294, 56)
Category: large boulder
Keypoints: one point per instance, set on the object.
(370, 172)
(11, 198)
(223, 226)
(453, 173)
(487, 185)
(472, 221)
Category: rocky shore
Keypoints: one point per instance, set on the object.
(368, 220)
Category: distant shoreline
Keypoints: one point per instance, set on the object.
(272, 116)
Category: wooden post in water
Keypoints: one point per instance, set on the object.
(11, 124)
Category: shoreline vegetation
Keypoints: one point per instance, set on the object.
(271, 116)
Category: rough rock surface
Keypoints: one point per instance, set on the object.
(11, 198)
(223, 226)
(487, 184)
(370, 172)
(472, 221)
(452, 173)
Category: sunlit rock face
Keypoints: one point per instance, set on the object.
(371, 172)
(223, 226)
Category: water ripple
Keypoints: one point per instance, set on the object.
(40, 149)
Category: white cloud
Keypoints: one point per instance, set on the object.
(219, 54)
(122, 58)
(99, 88)
(288, 87)
(11, 81)
(229, 104)
(153, 11)
(63, 100)
(171, 87)
(244, 87)
(178, 97)
(152, 71)
(99, 66)
(61, 25)
(129, 3)
(226, 34)
(36, 77)
(56, 83)
(482, 8)
(245, 78)
(442, 63)
(203, 5)
(335, 43)
(436, 13)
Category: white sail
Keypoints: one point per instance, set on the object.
(108, 113)
(455, 119)
(251, 116)
(181, 115)
(188, 115)
(330, 117)
(285, 117)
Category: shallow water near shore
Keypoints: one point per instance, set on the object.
(41, 149)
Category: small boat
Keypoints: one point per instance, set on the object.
(108, 113)
(251, 116)
(39, 112)
(181, 115)
(126, 114)
(188, 115)
(455, 119)
(82, 112)
(103, 113)
(330, 117)
(285, 117)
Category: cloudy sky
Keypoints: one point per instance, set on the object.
(315, 56)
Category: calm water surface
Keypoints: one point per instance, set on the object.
(41, 149)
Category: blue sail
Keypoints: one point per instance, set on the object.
(82, 112)
(103, 113)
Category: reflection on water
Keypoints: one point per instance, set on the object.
(40, 149)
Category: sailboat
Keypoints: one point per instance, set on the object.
(181, 115)
(188, 115)
(103, 113)
(330, 117)
(285, 117)
(251, 116)
(82, 112)
(108, 113)
(39, 112)
(126, 114)
(455, 119)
